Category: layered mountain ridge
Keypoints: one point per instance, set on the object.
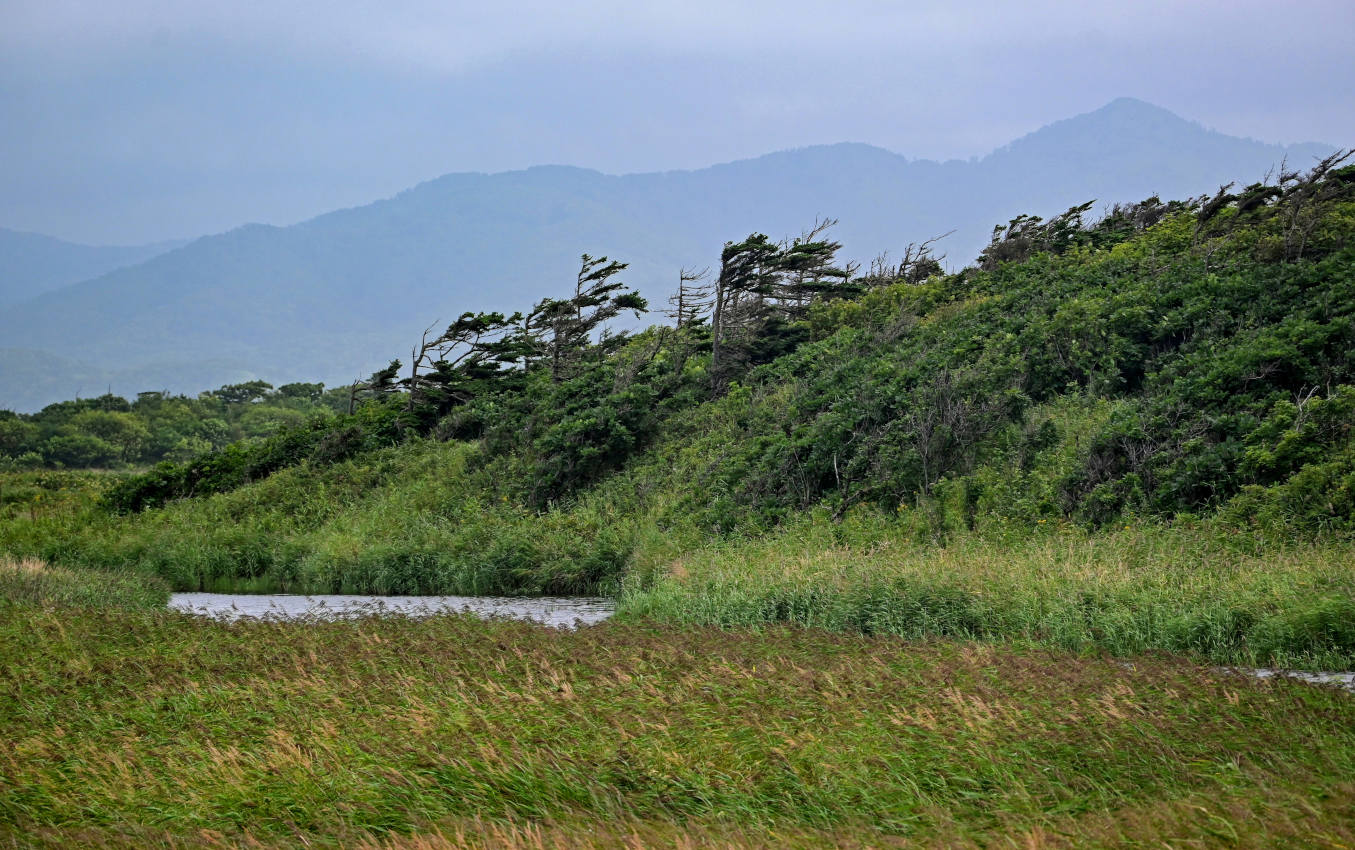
(334, 297)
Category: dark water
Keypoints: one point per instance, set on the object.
(550, 610)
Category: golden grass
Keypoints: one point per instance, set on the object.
(29, 566)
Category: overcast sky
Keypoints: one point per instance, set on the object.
(141, 120)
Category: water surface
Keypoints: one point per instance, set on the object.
(550, 610)
(1339, 680)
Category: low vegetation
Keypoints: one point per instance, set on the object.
(29, 582)
(141, 729)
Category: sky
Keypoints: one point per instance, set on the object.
(144, 120)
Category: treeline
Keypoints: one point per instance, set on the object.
(111, 432)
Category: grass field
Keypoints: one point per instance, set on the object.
(128, 728)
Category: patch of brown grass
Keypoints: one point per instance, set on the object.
(31, 566)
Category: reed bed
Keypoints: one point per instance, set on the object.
(130, 728)
(29, 581)
(1226, 597)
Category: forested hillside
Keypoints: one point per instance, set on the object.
(1172, 384)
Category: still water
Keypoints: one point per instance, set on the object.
(551, 610)
(1336, 680)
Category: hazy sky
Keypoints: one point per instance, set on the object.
(140, 120)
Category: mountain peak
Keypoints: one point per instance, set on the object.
(1120, 114)
(1124, 127)
(1132, 107)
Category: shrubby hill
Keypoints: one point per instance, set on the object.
(332, 298)
(1131, 431)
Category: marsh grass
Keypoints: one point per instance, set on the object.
(128, 728)
(406, 520)
(28, 581)
(1223, 596)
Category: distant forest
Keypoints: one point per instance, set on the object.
(111, 432)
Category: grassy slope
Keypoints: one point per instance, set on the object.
(132, 729)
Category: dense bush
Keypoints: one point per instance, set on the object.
(322, 439)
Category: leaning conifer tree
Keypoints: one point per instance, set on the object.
(809, 273)
(749, 273)
(565, 327)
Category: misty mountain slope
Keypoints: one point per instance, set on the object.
(32, 264)
(1121, 151)
(338, 296)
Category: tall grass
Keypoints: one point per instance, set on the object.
(127, 728)
(421, 518)
(403, 520)
(29, 582)
(1195, 588)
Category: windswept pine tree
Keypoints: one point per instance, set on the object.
(564, 328)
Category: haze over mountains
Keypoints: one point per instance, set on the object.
(335, 297)
(34, 264)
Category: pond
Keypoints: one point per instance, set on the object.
(550, 610)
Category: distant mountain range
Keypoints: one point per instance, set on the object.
(32, 264)
(335, 297)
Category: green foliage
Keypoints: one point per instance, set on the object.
(567, 325)
(570, 434)
(79, 450)
(408, 519)
(762, 294)
(325, 439)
